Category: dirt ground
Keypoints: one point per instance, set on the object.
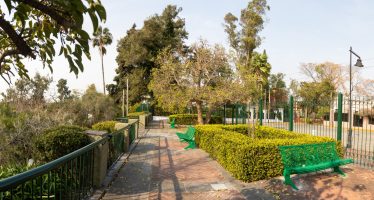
(357, 184)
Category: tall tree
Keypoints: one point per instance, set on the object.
(137, 51)
(31, 28)
(201, 78)
(102, 38)
(63, 89)
(246, 40)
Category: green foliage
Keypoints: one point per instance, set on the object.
(105, 126)
(32, 29)
(136, 114)
(63, 89)
(137, 52)
(57, 142)
(8, 171)
(24, 115)
(191, 119)
(102, 38)
(250, 159)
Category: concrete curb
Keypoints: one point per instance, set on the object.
(114, 170)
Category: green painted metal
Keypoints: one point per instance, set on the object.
(232, 114)
(300, 159)
(260, 110)
(236, 113)
(172, 123)
(188, 136)
(116, 146)
(290, 124)
(67, 173)
(340, 117)
(132, 133)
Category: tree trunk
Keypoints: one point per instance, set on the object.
(199, 108)
(208, 116)
(102, 67)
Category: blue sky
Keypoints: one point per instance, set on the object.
(296, 31)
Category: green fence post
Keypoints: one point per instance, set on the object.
(232, 114)
(260, 112)
(340, 116)
(290, 113)
(224, 114)
(236, 113)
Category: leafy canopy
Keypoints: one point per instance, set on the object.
(32, 28)
(137, 51)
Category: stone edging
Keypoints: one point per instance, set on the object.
(113, 172)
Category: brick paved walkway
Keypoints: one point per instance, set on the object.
(159, 168)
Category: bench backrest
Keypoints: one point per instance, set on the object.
(191, 132)
(308, 154)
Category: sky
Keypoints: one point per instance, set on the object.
(295, 32)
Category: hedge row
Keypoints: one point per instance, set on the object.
(191, 119)
(105, 126)
(136, 114)
(250, 159)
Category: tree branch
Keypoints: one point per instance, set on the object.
(20, 43)
(61, 20)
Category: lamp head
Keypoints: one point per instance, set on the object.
(359, 63)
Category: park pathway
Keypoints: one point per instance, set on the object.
(159, 168)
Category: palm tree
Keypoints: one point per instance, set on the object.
(102, 37)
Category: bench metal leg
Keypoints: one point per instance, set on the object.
(191, 145)
(339, 171)
(288, 181)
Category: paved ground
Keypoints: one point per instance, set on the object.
(358, 184)
(160, 168)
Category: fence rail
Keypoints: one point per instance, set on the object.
(329, 119)
(69, 177)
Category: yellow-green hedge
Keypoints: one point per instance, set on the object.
(105, 126)
(136, 114)
(250, 159)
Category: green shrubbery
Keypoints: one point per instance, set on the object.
(190, 119)
(246, 158)
(105, 126)
(136, 114)
(57, 142)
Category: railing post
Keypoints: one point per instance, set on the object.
(101, 154)
(290, 124)
(340, 116)
(236, 113)
(232, 114)
(260, 112)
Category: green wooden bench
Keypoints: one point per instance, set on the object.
(301, 159)
(172, 123)
(188, 136)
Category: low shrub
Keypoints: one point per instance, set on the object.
(136, 114)
(57, 142)
(191, 119)
(105, 126)
(250, 159)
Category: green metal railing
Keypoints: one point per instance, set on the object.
(132, 133)
(329, 119)
(116, 146)
(69, 177)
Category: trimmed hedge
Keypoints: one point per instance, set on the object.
(251, 159)
(105, 126)
(136, 114)
(191, 119)
(59, 141)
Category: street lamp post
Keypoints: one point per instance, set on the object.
(358, 64)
